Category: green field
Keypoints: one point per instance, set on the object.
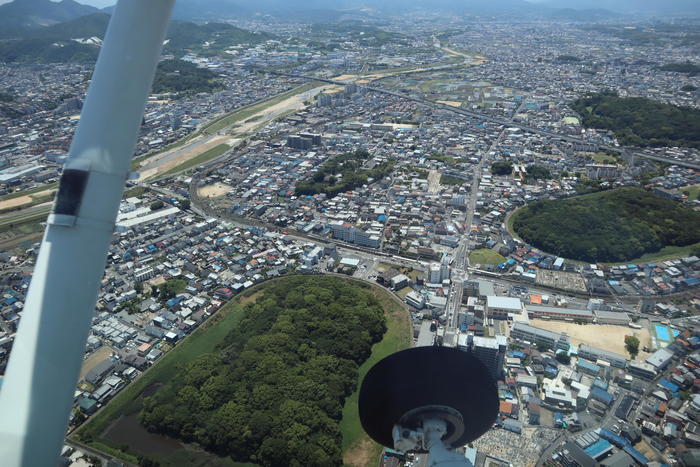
(205, 339)
(12, 222)
(485, 256)
(602, 158)
(668, 252)
(206, 156)
(398, 337)
(693, 192)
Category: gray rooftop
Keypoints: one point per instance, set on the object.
(612, 315)
(563, 311)
(604, 354)
(536, 331)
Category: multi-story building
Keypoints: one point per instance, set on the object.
(351, 234)
(593, 353)
(602, 171)
(501, 307)
(525, 332)
(612, 317)
(491, 351)
(434, 274)
(641, 369)
(553, 312)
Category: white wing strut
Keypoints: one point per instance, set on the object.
(37, 394)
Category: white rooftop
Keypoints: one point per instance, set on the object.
(504, 303)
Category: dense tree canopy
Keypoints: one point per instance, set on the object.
(502, 168)
(343, 173)
(639, 121)
(614, 225)
(169, 289)
(537, 172)
(183, 77)
(273, 392)
(686, 67)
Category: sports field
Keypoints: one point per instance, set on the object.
(604, 336)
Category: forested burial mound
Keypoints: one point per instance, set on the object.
(272, 392)
(609, 226)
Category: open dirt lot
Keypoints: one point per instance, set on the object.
(604, 336)
(343, 77)
(450, 103)
(14, 202)
(214, 191)
(96, 357)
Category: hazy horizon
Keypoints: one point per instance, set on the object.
(626, 6)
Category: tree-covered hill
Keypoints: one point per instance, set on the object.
(687, 67)
(639, 121)
(610, 226)
(20, 16)
(57, 43)
(183, 77)
(273, 392)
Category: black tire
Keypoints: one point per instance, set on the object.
(427, 376)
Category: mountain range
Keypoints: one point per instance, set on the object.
(20, 16)
(78, 40)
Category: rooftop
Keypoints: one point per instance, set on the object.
(504, 303)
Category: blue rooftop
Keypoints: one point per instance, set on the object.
(618, 441)
(636, 455)
(668, 385)
(598, 448)
(601, 395)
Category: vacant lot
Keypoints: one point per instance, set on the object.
(485, 256)
(96, 357)
(604, 336)
(214, 191)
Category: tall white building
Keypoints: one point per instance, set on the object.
(445, 268)
(351, 234)
(491, 351)
(435, 273)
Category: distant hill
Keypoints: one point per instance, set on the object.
(20, 16)
(324, 10)
(92, 25)
(571, 14)
(184, 78)
(183, 36)
(58, 43)
(667, 7)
